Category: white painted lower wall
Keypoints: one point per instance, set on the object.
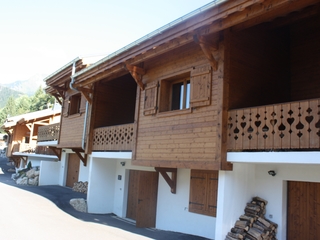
(250, 178)
(100, 196)
(173, 213)
(49, 173)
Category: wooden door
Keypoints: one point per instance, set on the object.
(303, 210)
(73, 169)
(142, 197)
(133, 194)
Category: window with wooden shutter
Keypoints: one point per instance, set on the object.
(200, 86)
(203, 192)
(150, 99)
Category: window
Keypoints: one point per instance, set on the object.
(175, 93)
(203, 192)
(180, 93)
(27, 139)
(74, 104)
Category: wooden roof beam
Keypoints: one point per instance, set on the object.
(60, 90)
(172, 182)
(207, 48)
(87, 93)
(137, 74)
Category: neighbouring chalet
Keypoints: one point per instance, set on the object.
(179, 129)
(24, 133)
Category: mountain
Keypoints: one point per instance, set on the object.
(5, 93)
(29, 86)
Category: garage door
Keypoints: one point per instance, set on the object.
(303, 210)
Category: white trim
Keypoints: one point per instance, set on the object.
(118, 155)
(48, 143)
(274, 157)
(33, 155)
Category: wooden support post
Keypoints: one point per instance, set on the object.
(172, 182)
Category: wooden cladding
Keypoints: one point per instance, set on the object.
(49, 132)
(203, 192)
(294, 125)
(119, 138)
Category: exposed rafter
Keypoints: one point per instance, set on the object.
(137, 73)
(82, 158)
(172, 182)
(60, 90)
(207, 48)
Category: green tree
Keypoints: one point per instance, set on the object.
(9, 110)
(23, 104)
(41, 100)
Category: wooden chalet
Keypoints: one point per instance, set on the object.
(210, 103)
(23, 131)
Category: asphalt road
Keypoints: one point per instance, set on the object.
(44, 212)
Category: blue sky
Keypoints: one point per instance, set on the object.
(40, 36)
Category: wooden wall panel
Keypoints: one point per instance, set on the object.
(187, 140)
(305, 59)
(72, 127)
(259, 67)
(115, 102)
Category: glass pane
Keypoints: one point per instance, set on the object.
(188, 95)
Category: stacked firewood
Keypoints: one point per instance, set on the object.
(253, 225)
(80, 187)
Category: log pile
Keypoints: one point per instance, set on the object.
(80, 187)
(253, 225)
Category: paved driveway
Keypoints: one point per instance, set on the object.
(44, 212)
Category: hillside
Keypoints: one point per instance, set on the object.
(5, 93)
(29, 86)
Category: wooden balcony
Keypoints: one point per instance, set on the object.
(293, 125)
(49, 132)
(114, 138)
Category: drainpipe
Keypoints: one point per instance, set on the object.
(83, 142)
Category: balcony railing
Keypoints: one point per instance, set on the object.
(49, 132)
(117, 138)
(294, 125)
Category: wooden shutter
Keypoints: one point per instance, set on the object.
(203, 192)
(200, 86)
(150, 99)
(65, 108)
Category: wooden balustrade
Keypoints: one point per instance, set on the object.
(49, 132)
(117, 138)
(294, 125)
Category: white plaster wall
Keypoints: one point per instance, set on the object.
(173, 213)
(63, 169)
(36, 162)
(101, 184)
(84, 171)
(235, 189)
(49, 173)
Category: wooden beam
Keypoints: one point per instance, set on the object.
(57, 151)
(60, 90)
(87, 93)
(172, 182)
(57, 98)
(137, 74)
(83, 159)
(207, 48)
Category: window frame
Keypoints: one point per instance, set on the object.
(74, 104)
(166, 94)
